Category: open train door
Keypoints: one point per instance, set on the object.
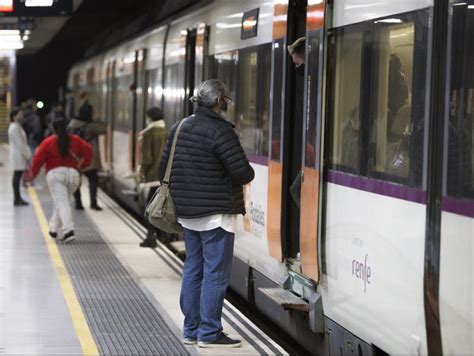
(277, 110)
(296, 117)
(311, 163)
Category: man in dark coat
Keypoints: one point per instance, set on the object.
(206, 184)
(90, 130)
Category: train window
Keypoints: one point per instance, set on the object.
(122, 101)
(174, 93)
(460, 134)
(344, 99)
(225, 69)
(279, 56)
(154, 88)
(392, 128)
(252, 112)
(251, 108)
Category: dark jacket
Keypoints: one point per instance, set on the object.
(209, 167)
(91, 132)
(153, 139)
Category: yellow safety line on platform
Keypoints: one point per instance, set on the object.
(79, 321)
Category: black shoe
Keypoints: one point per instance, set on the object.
(222, 342)
(53, 234)
(96, 207)
(20, 202)
(68, 237)
(150, 241)
(79, 207)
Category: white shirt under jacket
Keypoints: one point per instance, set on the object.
(227, 222)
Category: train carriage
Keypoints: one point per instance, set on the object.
(374, 254)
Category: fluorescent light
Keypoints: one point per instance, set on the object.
(39, 3)
(11, 45)
(471, 7)
(389, 21)
(10, 38)
(9, 32)
(460, 3)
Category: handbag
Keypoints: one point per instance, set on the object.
(160, 210)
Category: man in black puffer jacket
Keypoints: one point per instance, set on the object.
(207, 178)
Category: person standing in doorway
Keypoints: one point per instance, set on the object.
(20, 153)
(153, 139)
(64, 155)
(206, 183)
(90, 130)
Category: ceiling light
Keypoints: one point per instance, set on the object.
(11, 45)
(389, 21)
(9, 32)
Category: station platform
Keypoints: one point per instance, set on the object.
(102, 293)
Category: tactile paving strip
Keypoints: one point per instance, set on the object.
(122, 320)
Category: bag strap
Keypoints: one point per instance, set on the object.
(166, 178)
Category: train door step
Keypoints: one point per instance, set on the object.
(286, 299)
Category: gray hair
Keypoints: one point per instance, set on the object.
(208, 92)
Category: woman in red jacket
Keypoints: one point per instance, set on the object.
(63, 155)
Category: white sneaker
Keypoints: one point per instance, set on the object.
(188, 341)
(68, 237)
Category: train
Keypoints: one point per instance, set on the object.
(373, 255)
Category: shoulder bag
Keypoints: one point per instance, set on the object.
(160, 211)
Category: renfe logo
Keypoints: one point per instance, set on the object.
(362, 271)
(6, 5)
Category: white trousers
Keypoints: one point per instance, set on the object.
(62, 182)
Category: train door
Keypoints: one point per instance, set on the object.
(296, 117)
(139, 101)
(189, 71)
(456, 291)
(311, 151)
(109, 110)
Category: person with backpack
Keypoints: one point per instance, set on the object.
(88, 129)
(63, 155)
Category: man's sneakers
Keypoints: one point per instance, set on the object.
(222, 342)
(68, 237)
(188, 341)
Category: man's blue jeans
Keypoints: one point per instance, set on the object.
(205, 279)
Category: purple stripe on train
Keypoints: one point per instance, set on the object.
(378, 187)
(257, 159)
(459, 206)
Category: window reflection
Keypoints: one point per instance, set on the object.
(393, 90)
(122, 101)
(344, 96)
(251, 107)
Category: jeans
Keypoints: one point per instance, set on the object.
(205, 279)
(16, 184)
(93, 186)
(62, 182)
